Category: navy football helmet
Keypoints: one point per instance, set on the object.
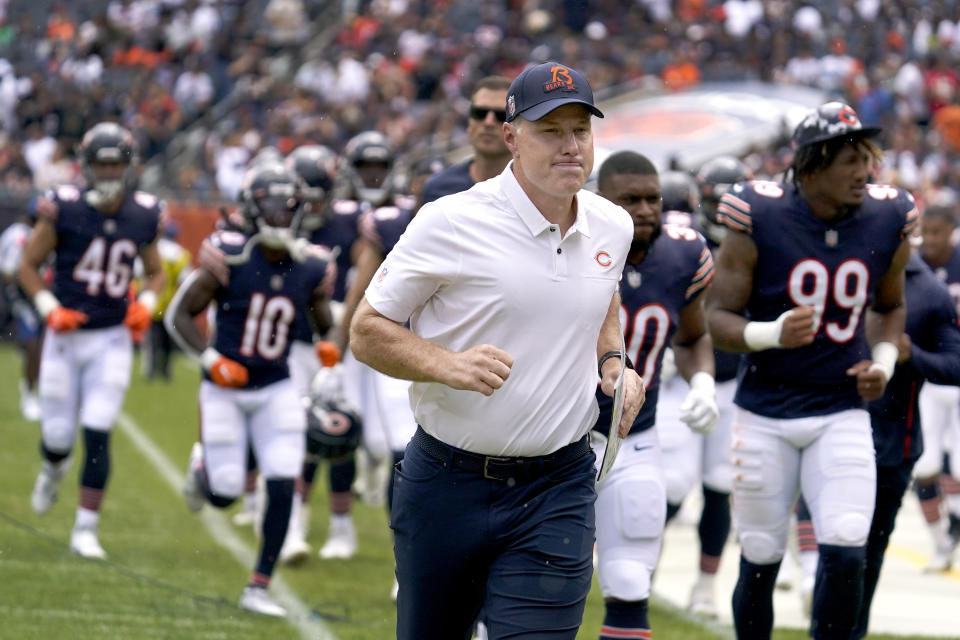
(334, 428)
(107, 143)
(368, 167)
(829, 121)
(316, 166)
(270, 204)
(679, 192)
(715, 178)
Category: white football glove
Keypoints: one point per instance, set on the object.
(699, 409)
(327, 383)
(668, 366)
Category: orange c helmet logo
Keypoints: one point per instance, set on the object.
(603, 259)
(561, 80)
(849, 116)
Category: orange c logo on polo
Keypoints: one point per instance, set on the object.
(603, 259)
(561, 80)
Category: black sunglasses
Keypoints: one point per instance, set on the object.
(480, 113)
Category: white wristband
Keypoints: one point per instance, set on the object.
(884, 355)
(209, 357)
(759, 336)
(148, 299)
(45, 302)
(703, 381)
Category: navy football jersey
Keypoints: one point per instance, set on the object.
(833, 267)
(383, 226)
(934, 356)
(451, 180)
(340, 230)
(673, 272)
(257, 305)
(949, 274)
(96, 251)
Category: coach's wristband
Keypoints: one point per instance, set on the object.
(759, 336)
(45, 302)
(612, 354)
(148, 299)
(209, 358)
(884, 355)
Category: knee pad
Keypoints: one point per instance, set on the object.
(226, 481)
(760, 547)
(849, 529)
(59, 434)
(624, 579)
(719, 478)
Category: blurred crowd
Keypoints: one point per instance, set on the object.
(205, 84)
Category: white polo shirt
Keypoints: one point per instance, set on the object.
(485, 266)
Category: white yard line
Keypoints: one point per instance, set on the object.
(299, 614)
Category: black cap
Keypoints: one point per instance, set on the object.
(829, 121)
(540, 89)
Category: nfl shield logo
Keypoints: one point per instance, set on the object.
(109, 227)
(831, 237)
(634, 278)
(276, 283)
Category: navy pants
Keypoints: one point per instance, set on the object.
(892, 483)
(521, 550)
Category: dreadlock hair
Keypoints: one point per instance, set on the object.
(816, 157)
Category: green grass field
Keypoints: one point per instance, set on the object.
(166, 576)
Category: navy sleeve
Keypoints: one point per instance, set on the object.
(941, 366)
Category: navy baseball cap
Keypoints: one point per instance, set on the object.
(829, 121)
(540, 89)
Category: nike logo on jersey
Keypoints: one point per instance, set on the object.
(638, 447)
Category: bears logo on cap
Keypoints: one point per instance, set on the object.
(561, 80)
(511, 106)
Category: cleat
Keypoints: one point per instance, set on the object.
(806, 595)
(191, 487)
(257, 600)
(83, 542)
(342, 540)
(295, 549)
(247, 514)
(702, 604)
(394, 591)
(29, 404)
(940, 561)
(47, 485)
(785, 575)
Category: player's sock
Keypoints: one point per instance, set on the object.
(275, 523)
(397, 457)
(307, 476)
(342, 474)
(714, 528)
(753, 600)
(838, 591)
(96, 468)
(950, 488)
(87, 519)
(808, 550)
(929, 495)
(672, 510)
(53, 457)
(259, 580)
(625, 620)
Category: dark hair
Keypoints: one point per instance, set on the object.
(812, 158)
(624, 162)
(493, 83)
(942, 211)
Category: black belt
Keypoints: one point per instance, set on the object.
(499, 468)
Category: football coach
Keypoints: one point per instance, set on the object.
(510, 289)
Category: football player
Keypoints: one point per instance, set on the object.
(95, 234)
(332, 224)
(257, 280)
(668, 268)
(367, 170)
(388, 420)
(690, 457)
(940, 404)
(13, 240)
(804, 268)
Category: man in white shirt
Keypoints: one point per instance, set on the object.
(511, 293)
